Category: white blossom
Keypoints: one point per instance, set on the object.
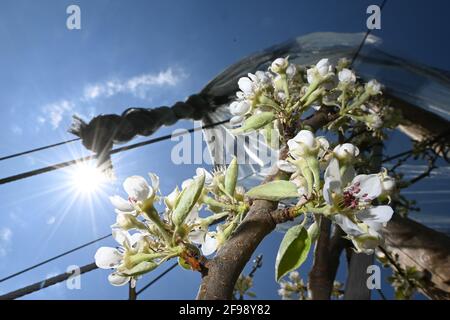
(347, 76)
(239, 108)
(351, 197)
(320, 71)
(279, 65)
(113, 258)
(138, 191)
(346, 152)
(209, 246)
(286, 166)
(373, 87)
(305, 142)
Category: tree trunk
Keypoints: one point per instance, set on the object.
(423, 248)
(356, 286)
(320, 284)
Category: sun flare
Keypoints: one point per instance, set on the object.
(87, 178)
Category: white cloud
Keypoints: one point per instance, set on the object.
(54, 112)
(137, 85)
(16, 218)
(41, 119)
(51, 220)
(5, 241)
(15, 129)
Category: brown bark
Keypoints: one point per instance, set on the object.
(320, 284)
(423, 248)
(420, 124)
(225, 268)
(356, 287)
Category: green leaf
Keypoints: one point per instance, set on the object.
(182, 263)
(272, 136)
(313, 231)
(274, 191)
(293, 251)
(141, 268)
(187, 200)
(231, 176)
(255, 122)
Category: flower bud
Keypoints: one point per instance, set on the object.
(170, 200)
(373, 87)
(388, 185)
(374, 121)
(279, 65)
(346, 76)
(246, 85)
(127, 221)
(239, 108)
(366, 243)
(319, 72)
(323, 67)
(346, 152)
(343, 63)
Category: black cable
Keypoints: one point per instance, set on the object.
(383, 297)
(157, 278)
(64, 276)
(361, 45)
(38, 149)
(61, 165)
(46, 283)
(53, 258)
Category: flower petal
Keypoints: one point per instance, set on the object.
(192, 216)
(246, 85)
(324, 145)
(369, 185)
(186, 183)
(348, 175)
(286, 166)
(332, 179)
(117, 280)
(155, 181)
(137, 188)
(236, 120)
(379, 214)
(208, 176)
(348, 226)
(239, 108)
(121, 204)
(107, 257)
(209, 246)
(197, 236)
(366, 243)
(135, 238)
(306, 137)
(122, 237)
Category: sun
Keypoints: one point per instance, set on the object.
(87, 178)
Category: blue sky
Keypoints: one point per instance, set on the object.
(143, 53)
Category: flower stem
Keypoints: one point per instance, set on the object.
(153, 215)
